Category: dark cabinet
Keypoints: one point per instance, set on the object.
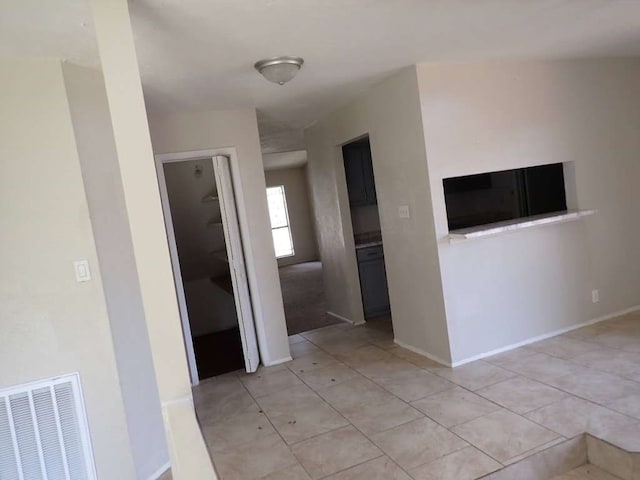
(358, 170)
(373, 281)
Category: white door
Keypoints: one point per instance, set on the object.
(235, 254)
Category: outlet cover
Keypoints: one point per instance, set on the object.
(81, 267)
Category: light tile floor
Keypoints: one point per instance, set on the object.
(586, 472)
(353, 405)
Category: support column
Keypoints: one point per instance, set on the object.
(189, 456)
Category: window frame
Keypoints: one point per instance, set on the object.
(287, 221)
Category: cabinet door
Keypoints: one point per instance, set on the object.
(354, 172)
(369, 181)
(373, 284)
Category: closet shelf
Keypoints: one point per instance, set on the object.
(214, 223)
(220, 254)
(211, 197)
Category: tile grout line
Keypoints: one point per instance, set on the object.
(383, 453)
(369, 343)
(571, 394)
(323, 433)
(468, 444)
(496, 404)
(261, 410)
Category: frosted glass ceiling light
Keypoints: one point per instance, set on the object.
(279, 69)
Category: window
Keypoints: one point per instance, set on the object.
(282, 241)
(498, 196)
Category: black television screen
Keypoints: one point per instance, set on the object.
(492, 197)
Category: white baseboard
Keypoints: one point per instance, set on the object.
(518, 344)
(343, 319)
(278, 362)
(158, 473)
(545, 336)
(421, 352)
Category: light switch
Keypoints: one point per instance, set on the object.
(403, 211)
(83, 274)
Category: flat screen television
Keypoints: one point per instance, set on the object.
(491, 197)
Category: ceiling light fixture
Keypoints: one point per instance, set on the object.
(279, 69)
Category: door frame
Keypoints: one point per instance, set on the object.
(160, 160)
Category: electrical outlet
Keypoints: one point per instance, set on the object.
(595, 296)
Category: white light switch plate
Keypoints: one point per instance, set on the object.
(81, 267)
(403, 211)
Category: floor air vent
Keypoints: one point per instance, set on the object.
(44, 433)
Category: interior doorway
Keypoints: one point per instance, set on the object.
(208, 263)
(296, 250)
(365, 220)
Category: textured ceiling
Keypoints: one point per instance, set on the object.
(199, 54)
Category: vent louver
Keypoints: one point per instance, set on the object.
(44, 433)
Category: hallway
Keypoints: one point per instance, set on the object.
(305, 305)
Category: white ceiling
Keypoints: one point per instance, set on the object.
(289, 159)
(199, 54)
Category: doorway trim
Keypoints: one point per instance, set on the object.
(160, 160)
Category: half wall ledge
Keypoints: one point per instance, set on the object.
(517, 224)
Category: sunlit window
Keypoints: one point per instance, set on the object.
(279, 216)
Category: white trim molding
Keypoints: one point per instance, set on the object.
(161, 471)
(273, 363)
(546, 335)
(344, 319)
(518, 344)
(435, 358)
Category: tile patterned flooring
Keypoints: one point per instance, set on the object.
(353, 405)
(586, 472)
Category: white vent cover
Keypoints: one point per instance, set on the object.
(44, 433)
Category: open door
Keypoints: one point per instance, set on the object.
(235, 255)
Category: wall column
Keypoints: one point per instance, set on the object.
(189, 457)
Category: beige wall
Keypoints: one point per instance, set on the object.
(390, 114)
(495, 116)
(187, 450)
(301, 218)
(205, 130)
(51, 324)
(99, 164)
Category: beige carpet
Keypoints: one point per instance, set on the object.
(305, 305)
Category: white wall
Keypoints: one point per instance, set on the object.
(204, 130)
(187, 450)
(301, 218)
(495, 116)
(390, 114)
(50, 324)
(99, 163)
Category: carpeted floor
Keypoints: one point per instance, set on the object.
(305, 305)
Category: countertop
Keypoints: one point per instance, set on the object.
(367, 239)
(368, 244)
